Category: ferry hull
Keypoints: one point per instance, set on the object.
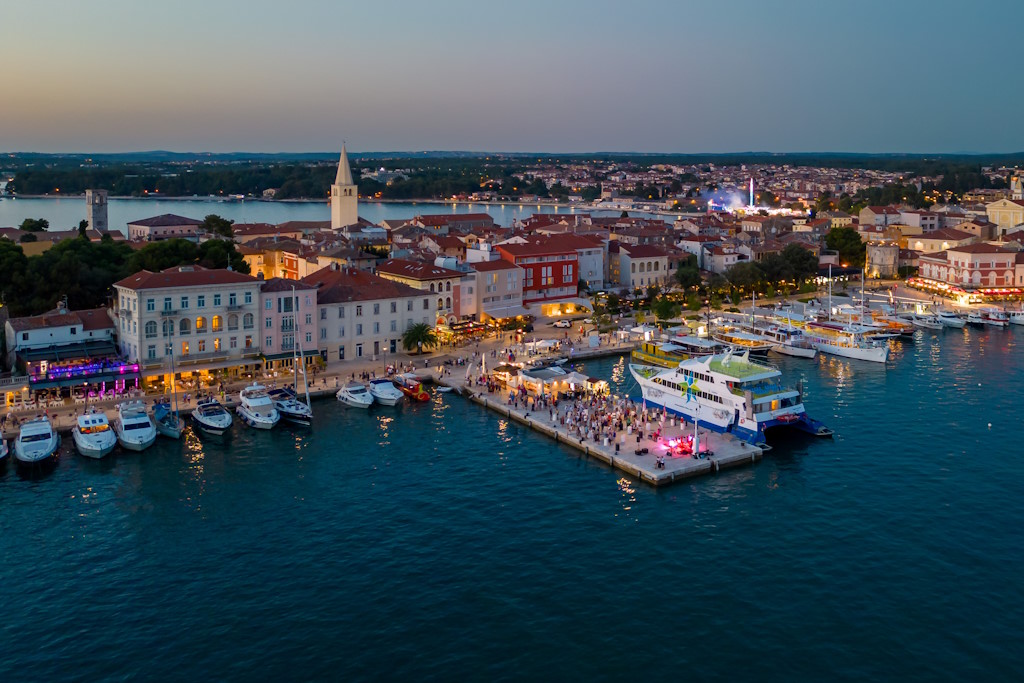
(878, 354)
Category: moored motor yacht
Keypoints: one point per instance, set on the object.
(133, 426)
(4, 452)
(92, 434)
(995, 317)
(256, 408)
(211, 417)
(927, 322)
(384, 392)
(290, 407)
(975, 319)
(355, 395)
(37, 442)
(1017, 317)
(950, 319)
(742, 341)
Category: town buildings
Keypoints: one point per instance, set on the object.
(163, 227)
(206, 318)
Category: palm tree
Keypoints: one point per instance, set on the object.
(419, 336)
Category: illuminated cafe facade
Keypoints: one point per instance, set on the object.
(203, 321)
(61, 351)
(972, 273)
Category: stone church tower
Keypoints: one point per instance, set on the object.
(344, 196)
(96, 209)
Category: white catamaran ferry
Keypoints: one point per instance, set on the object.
(727, 393)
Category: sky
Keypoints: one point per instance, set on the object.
(557, 76)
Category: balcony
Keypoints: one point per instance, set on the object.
(236, 307)
(167, 312)
(125, 314)
(287, 327)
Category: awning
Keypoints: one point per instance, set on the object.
(79, 381)
(53, 354)
(500, 312)
(289, 354)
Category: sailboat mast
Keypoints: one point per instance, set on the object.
(830, 291)
(302, 355)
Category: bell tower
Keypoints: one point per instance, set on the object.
(344, 196)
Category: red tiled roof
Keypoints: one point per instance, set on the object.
(164, 220)
(280, 284)
(89, 319)
(341, 285)
(183, 276)
(981, 249)
(642, 251)
(416, 270)
(488, 266)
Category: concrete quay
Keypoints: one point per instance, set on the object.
(726, 451)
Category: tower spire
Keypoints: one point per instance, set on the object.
(344, 176)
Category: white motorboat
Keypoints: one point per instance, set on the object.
(37, 443)
(1017, 317)
(92, 434)
(134, 428)
(4, 452)
(995, 317)
(975, 319)
(951, 319)
(385, 392)
(256, 408)
(785, 340)
(290, 407)
(355, 395)
(211, 417)
(927, 322)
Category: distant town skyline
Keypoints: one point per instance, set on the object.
(568, 77)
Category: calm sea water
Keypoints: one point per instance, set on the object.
(441, 542)
(65, 213)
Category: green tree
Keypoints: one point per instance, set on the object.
(83, 225)
(35, 225)
(688, 274)
(775, 268)
(28, 237)
(665, 309)
(215, 225)
(419, 337)
(745, 275)
(848, 244)
(802, 263)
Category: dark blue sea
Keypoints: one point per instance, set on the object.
(440, 542)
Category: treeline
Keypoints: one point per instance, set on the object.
(85, 271)
(292, 181)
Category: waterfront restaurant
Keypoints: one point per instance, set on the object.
(65, 348)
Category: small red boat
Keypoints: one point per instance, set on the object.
(412, 388)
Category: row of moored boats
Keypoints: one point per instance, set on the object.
(387, 392)
(136, 429)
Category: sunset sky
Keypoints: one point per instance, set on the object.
(723, 76)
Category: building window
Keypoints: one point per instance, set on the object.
(268, 304)
(233, 343)
(359, 311)
(150, 331)
(394, 307)
(248, 321)
(151, 352)
(167, 303)
(185, 327)
(216, 344)
(233, 321)
(341, 312)
(323, 314)
(200, 325)
(268, 342)
(232, 299)
(376, 309)
(309, 318)
(408, 305)
(426, 304)
(201, 345)
(216, 300)
(184, 348)
(394, 326)
(268, 323)
(217, 323)
(341, 331)
(184, 302)
(248, 297)
(440, 303)
(359, 330)
(376, 328)
(323, 333)
(150, 304)
(447, 302)
(309, 337)
(201, 301)
(248, 341)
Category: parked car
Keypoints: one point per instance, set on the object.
(588, 321)
(563, 323)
